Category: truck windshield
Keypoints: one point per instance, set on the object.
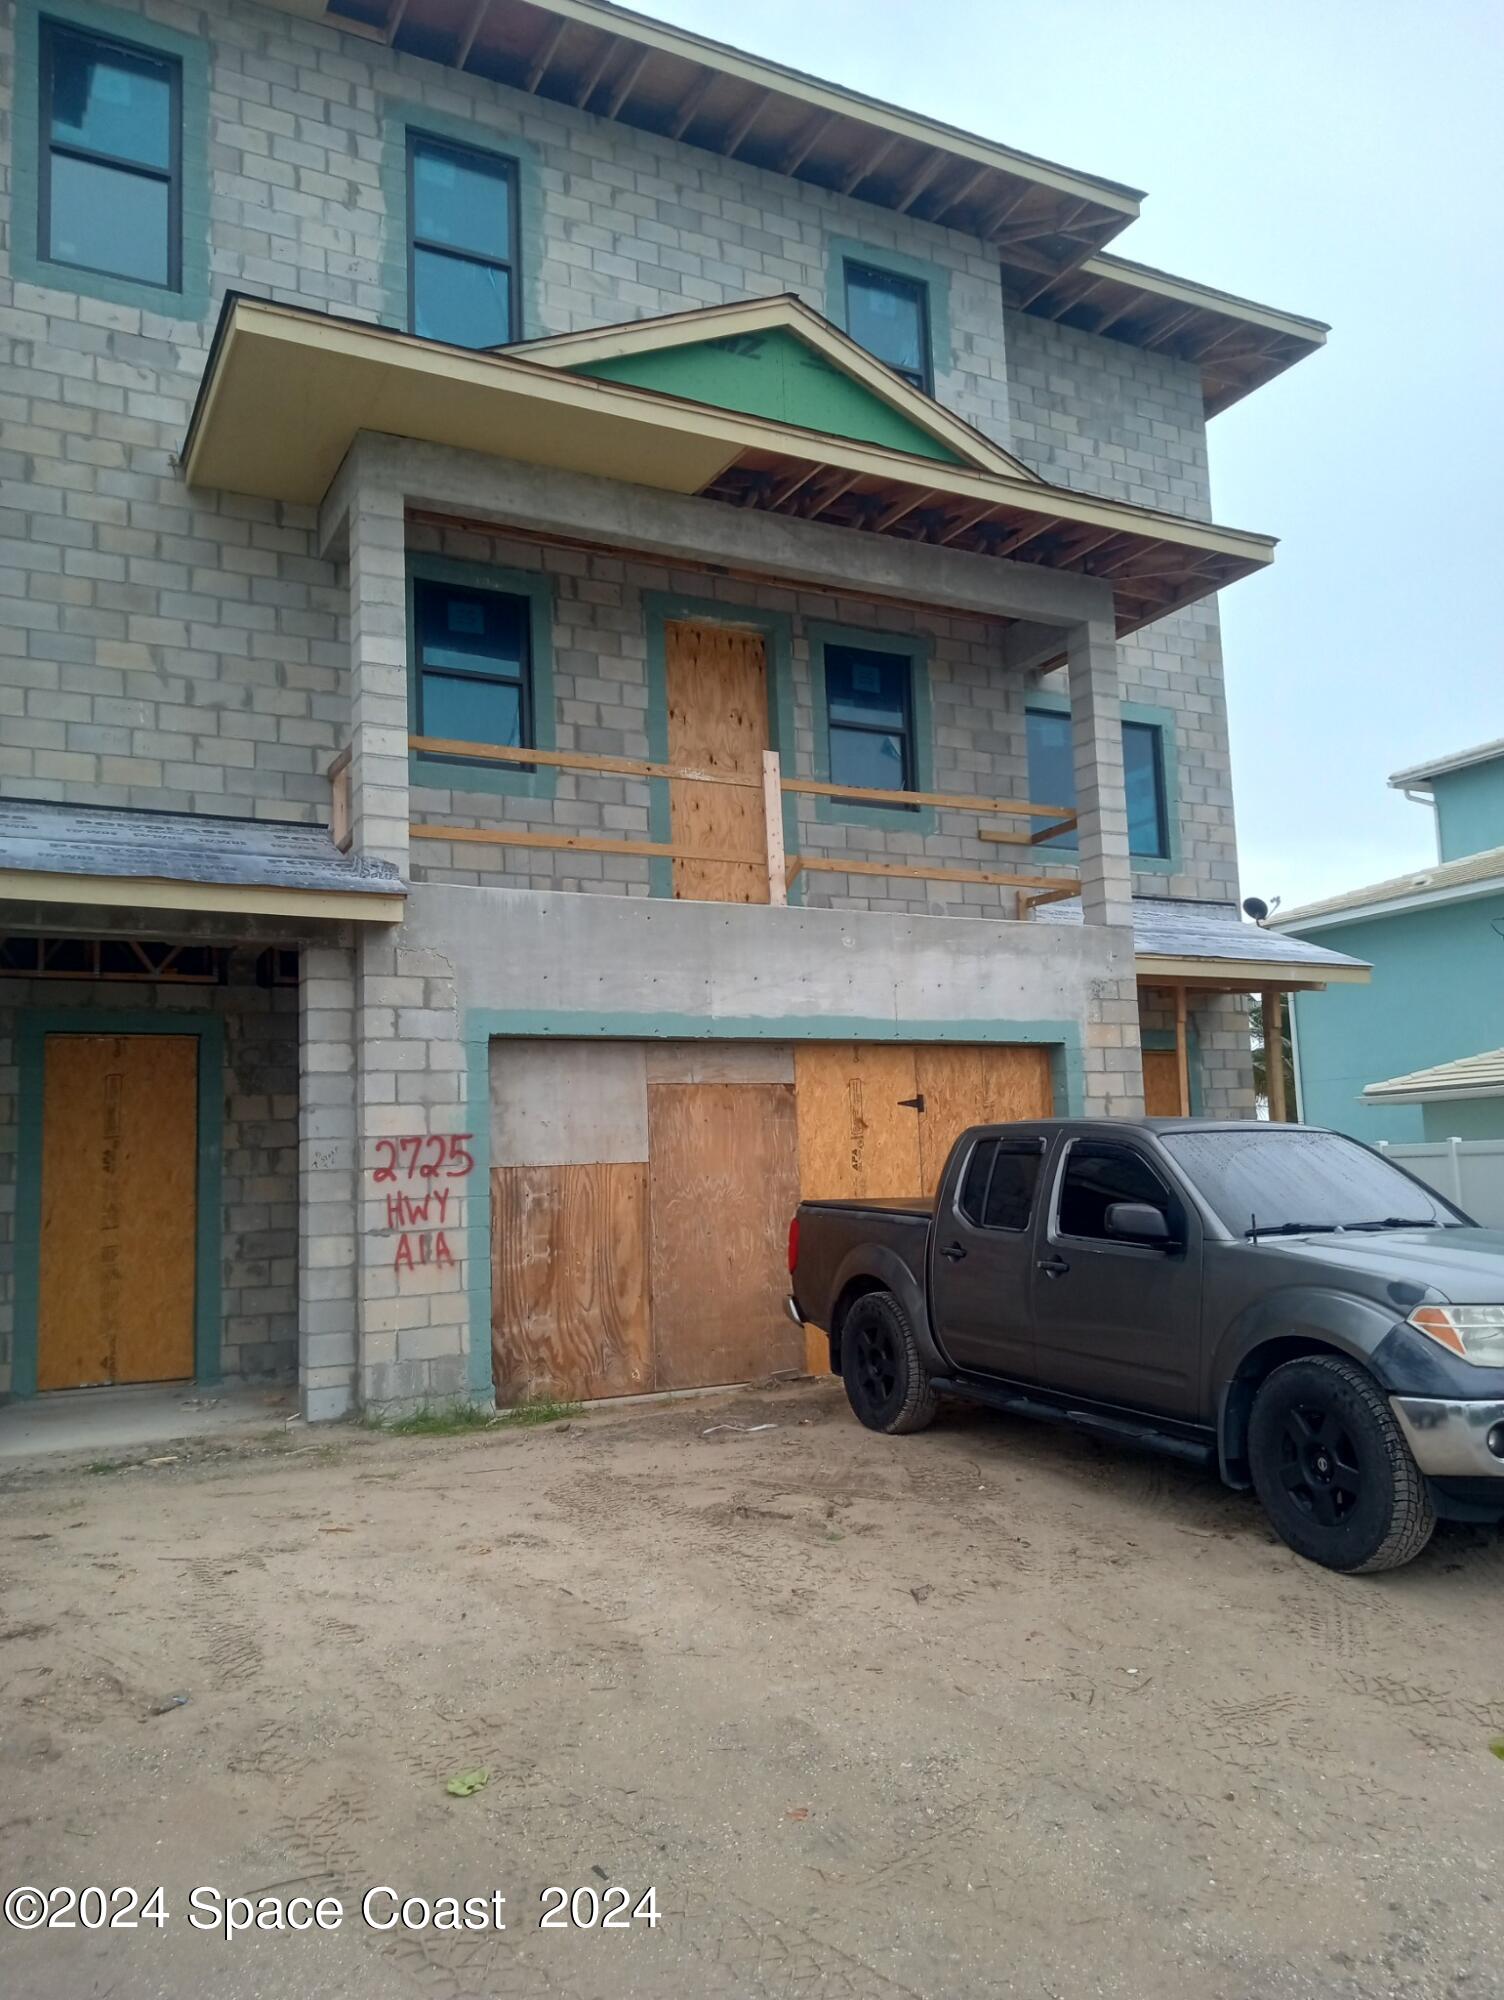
(1286, 1180)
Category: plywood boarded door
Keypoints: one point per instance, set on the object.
(982, 1084)
(717, 691)
(117, 1272)
(1161, 1083)
(569, 1282)
(723, 1162)
(858, 1124)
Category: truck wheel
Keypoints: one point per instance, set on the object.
(886, 1382)
(1333, 1470)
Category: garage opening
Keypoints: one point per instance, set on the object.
(641, 1192)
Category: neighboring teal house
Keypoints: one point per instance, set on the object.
(1416, 1054)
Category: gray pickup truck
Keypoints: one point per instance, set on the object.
(1274, 1300)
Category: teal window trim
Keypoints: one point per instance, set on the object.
(437, 773)
(34, 1025)
(916, 650)
(661, 609)
(189, 299)
(400, 119)
(843, 250)
(483, 1025)
(1162, 719)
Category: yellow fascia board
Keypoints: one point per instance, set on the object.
(784, 313)
(822, 96)
(1247, 974)
(277, 435)
(213, 898)
(1186, 291)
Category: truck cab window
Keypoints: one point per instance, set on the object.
(998, 1189)
(1097, 1174)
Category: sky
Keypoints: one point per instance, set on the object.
(1342, 159)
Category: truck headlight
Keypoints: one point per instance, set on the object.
(1474, 1332)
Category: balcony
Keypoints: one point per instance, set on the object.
(746, 859)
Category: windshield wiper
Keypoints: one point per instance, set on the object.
(1397, 1222)
(1291, 1229)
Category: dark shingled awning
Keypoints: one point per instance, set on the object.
(67, 853)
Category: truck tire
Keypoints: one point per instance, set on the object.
(1333, 1470)
(887, 1384)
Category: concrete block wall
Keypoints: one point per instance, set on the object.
(175, 650)
(600, 648)
(1107, 418)
(260, 1175)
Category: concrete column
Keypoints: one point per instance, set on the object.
(1097, 749)
(376, 529)
(328, 1333)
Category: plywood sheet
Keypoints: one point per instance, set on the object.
(717, 691)
(1161, 1083)
(980, 1084)
(569, 1282)
(858, 1140)
(723, 1160)
(119, 1209)
(719, 1062)
(567, 1103)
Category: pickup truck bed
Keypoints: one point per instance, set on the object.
(1278, 1300)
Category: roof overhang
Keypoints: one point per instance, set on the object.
(1237, 345)
(1455, 1082)
(679, 85)
(1420, 777)
(55, 856)
(287, 390)
(114, 892)
(1245, 975)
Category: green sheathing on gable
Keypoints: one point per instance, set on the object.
(1434, 996)
(773, 375)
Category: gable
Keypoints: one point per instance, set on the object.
(772, 373)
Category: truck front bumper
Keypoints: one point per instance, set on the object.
(1453, 1440)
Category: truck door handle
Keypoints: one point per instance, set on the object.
(954, 1251)
(1053, 1267)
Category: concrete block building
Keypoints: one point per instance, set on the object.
(594, 633)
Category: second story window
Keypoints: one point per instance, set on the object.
(1052, 779)
(110, 181)
(870, 718)
(463, 257)
(889, 315)
(473, 655)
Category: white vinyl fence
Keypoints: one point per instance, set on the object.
(1467, 1171)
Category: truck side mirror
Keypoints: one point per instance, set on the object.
(1138, 1222)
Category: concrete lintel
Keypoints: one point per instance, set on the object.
(678, 527)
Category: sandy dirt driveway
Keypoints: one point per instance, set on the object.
(992, 1710)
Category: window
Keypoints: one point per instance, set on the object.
(1052, 778)
(1097, 1174)
(889, 316)
(998, 1191)
(473, 653)
(110, 185)
(1281, 1178)
(463, 261)
(869, 702)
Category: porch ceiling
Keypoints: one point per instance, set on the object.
(287, 390)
